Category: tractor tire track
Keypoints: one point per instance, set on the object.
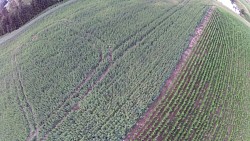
(168, 83)
(60, 121)
(22, 110)
(144, 36)
(108, 68)
(148, 31)
(108, 118)
(151, 30)
(133, 44)
(76, 92)
(78, 88)
(17, 75)
(151, 22)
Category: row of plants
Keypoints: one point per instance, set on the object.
(203, 102)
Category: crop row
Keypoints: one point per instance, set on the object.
(66, 106)
(95, 119)
(178, 88)
(199, 105)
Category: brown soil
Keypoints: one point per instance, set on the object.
(77, 89)
(103, 75)
(169, 82)
(158, 117)
(33, 134)
(192, 136)
(159, 138)
(229, 130)
(218, 110)
(21, 92)
(173, 114)
(199, 101)
(77, 105)
(34, 38)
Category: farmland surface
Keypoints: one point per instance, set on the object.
(127, 70)
(206, 98)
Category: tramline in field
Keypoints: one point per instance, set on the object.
(196, 105)
(127, 70)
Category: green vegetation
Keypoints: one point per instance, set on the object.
(244, 7)
(208, 99)
(90, 70)
(53, 59)
(245, 3)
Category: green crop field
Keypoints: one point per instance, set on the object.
(95, 68)
(207, 100)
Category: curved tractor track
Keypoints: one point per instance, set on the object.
(77, 90)
(111, 61)
(23, 102)
(139, 131)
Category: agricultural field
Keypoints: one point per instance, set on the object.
(206, 101)
(127, 70)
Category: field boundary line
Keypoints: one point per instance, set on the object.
(28, 105)
(23, 28)
(112, 60)
(108, 118)
(169, 82)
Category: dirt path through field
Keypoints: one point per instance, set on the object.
(169, 82)
(15, 33)
(24, 104)
(76, 106)
(76, 93)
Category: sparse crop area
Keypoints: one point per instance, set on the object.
(127, 70)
